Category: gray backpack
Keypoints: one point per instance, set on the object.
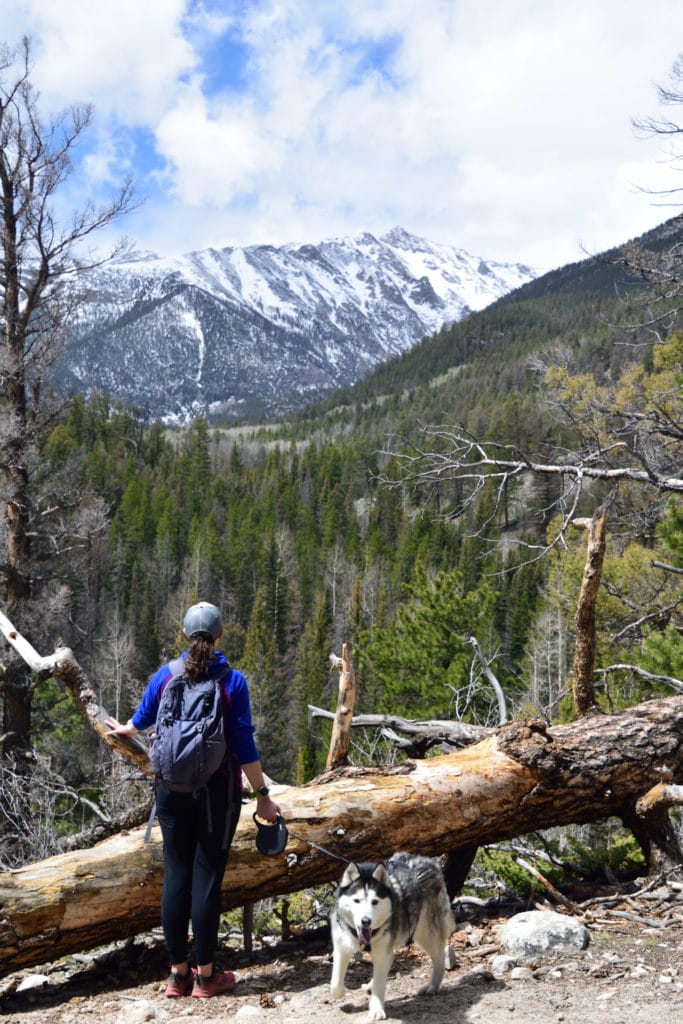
(189, 743)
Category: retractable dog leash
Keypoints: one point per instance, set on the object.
(271, 839)
(322, 849)
(271, 836)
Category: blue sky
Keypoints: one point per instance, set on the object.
(500, 126)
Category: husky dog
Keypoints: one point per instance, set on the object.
(383, 906)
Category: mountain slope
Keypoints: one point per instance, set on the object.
(586, 312)
(260, 330)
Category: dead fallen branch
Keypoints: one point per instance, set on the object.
(451, 734)
(546, 883)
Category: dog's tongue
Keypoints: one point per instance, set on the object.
(364, 936)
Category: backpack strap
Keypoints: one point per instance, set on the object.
(150, 820)
(230, 810)
(176, 668)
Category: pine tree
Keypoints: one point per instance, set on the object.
(420, 665)
(310, 685)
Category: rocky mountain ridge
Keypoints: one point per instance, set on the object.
(261, 330)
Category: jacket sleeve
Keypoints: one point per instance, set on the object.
(146, 714)
(240, 727)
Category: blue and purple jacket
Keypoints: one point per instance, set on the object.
(236, 708)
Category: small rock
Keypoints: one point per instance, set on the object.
(521, 973)
(308, 996)
(451, 961)
(500, 965)
(248, 1013)
(32, 981)
(138, 1012)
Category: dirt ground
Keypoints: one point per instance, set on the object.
(629, 974)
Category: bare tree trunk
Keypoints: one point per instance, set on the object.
(346, 699)
(521, 778)
(457, 868)
(16, 685)
(583, 664)
(37, 255)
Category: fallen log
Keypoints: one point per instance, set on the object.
(521, 778)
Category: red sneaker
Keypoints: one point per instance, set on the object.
(179, 984)
(216, 984)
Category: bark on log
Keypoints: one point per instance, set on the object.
(521, 778)
(648, 818)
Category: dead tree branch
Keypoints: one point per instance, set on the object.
(497, 688)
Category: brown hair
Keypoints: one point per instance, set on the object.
(199, 654)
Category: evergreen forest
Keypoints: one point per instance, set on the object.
(322, 530)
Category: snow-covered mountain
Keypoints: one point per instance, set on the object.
(262, 330)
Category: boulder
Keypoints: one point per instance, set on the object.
(541, 931)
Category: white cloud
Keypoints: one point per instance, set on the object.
(215, 155)
(122, 55)
(501, 127)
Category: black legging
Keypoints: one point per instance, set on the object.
(194, 830)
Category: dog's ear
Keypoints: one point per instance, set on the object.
(380, 874)
(350, 875)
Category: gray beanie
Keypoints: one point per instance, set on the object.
(203, 618)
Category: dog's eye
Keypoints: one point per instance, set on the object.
(374, 902)
(356, 899)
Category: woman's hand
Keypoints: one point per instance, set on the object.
(267, 809)
(116, 729)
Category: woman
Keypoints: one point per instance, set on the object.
(195, 829)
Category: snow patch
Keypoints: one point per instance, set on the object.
(189, 320)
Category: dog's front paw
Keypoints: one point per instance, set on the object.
(376, 1011)
(430, 989)
(337, 992)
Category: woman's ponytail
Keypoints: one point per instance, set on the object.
(199, 654)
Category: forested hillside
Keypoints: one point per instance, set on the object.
(309, 534)
(594, 313)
